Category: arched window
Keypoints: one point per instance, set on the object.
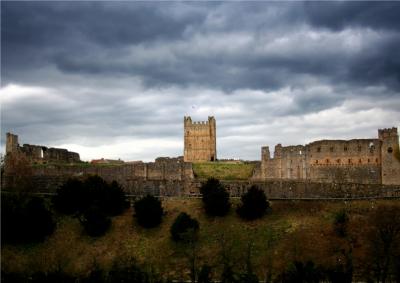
(371, 147)
(390, 150)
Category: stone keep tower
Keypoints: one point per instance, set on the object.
(200, 140)
(390, 156)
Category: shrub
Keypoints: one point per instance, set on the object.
(127, 270)
(248, 278)
(228, 275)
(96, 275)
(184, 228)
(254, 204)
(37, 277)
(148, 211)
(340, 223)
(301, 272)
(215, 198)
(71, 197)
(341, 273)
(95, 222)
(75, 196)
(205, 274)
(116, 197)
(25, 219)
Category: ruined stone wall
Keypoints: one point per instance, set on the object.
(169, 170)
(341, 152)
(293, 163)
(271, 167)
(356, 161)
(200, 140)
(367, 161)
(274, 189)
(277, 189)
(39, 153)
(363, 174)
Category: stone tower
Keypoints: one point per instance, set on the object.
(11, 143)
(200, 140)
(390, 156)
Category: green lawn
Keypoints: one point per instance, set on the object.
(223, 170)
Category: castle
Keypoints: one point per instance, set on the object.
(363, 161)
(199, 140)
(357, 161)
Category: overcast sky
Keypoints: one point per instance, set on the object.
(114, 79)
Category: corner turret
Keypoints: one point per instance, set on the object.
(390, 156)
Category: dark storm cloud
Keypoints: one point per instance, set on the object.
(39, 33)
(379, 64)
(93, 38)
(338, 15)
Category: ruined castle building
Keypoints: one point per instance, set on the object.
(39, 153)
(200, 140)
(365, 161)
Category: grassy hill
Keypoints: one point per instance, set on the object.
(293, 230)
(223, 170)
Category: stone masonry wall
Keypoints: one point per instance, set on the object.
(199, 140)
(367, 161)
(163, 169)
(274, 189)
(39, 153)
(390, 155)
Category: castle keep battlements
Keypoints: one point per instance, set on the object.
(364, 161)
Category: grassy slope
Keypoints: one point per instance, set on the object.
(289, 224)
(223, 170)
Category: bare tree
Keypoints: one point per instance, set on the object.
(270, 240)
(384, 241)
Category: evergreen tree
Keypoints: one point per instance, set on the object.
(184, 228)
(215, 198)
(148, 211)
(254, 204)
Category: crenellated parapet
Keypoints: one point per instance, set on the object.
(387, 132)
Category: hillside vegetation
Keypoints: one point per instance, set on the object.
(293, 230)
(223, 170)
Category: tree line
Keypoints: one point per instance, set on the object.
(94, 202)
